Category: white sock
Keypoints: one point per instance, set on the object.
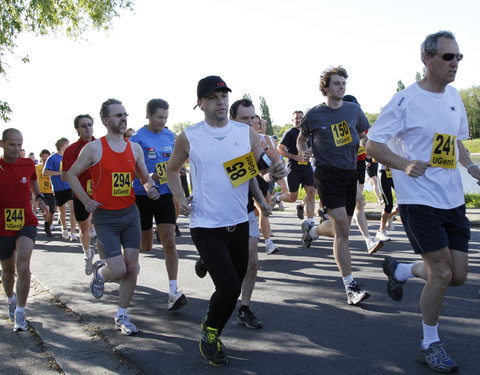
(430, 335)
(313, 232)
(20, 309)
(173, 286)
(347, 280)
(310, 220)
(268, 241)
(404, 271)
(121, 311)
(12, 299)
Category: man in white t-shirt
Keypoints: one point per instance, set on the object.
(418, 134)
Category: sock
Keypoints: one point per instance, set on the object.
(347, 280)
(173, 286)
(20, 309)
(430, 335)
(404, 271)
(12, 299)
(121, 311)
(310, 220)
(268, 241)
(313, 232)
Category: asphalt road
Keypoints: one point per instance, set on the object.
(308, 326)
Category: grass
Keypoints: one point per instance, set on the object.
(471, 200)
(473, 145)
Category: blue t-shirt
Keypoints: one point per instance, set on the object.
(54, 163)
(157, 148)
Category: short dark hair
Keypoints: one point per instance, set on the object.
(327, 74)
(6, 132)
(78, 118)
(295, 112)
(155, 104)
(104, 111)
(44, 151)
(59, 144)
(242, 102)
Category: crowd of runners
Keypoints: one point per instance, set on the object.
(227, 175)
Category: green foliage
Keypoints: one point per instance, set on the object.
(72, 17)
(179, 127)
(472, 145)
(266, 114)
(400, 86)
(372, 117)
(247, 96)
(472, 200)
(471, 100)
(279, 131)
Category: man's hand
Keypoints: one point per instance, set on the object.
(153, 193)
(416, 168)
(185, 206)
(91, 205)
(278, 170)
(266, 208)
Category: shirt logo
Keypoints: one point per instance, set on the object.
(23, 180)
(452, 109)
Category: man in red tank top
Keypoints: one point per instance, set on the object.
(18, 224)
(113, 163)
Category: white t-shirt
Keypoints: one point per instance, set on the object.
(408, 125)
(216, 203)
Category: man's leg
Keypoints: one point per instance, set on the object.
(24, 247)
(73, 221)
(341, 251)
(146, 240)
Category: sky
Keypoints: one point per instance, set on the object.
(271, 48)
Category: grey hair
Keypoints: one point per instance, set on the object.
(430, 44)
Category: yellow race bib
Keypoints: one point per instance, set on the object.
(444, 151)
(89, 187)
(14, 218)
(121, 184)
(161, 169)
(361, 150)
(388, 172)
(341, 133)
(241, 169)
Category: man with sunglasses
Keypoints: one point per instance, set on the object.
(418, 134)
(114, 161)
(84, 126)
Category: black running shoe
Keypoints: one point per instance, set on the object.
(177, 231)
(300, 211)
(355, 294)
(394, 286)
(48, 230)
(200, 268)
(211, 348)
(247, 318)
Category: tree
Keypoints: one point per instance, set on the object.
(266, 115)
(179, 127)
(73, 17)
(400, 86)
(372, 117)
(471, 100)
(279, 131)
(247, 96)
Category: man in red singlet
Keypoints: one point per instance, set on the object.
(113, 163)
(18, 224)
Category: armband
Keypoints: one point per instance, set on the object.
(264, 162)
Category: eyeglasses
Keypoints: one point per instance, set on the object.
(450, 56)
(89, 125)
(119, 115)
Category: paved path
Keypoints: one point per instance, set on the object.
(308, 327)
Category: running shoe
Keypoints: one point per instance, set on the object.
(271, 248)
(274, 201)
(323, 216)
(437, 358)
(11, 308)
(177, 231)
(20, 322)
(97, 284)
(47, 229)
(211, 348)
(92, 233)
(176, 300)
(373, 245)
(88, 258)
(382, 236)
(300, 214)
(355, 294)
(123, 324)
(394, 286)
(247, 318)
(73, 237)
(65, 234)
(390, 224)
(200, 268)
(281, 207)
(306, 238)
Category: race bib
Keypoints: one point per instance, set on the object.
(341, 133)
(388, 172)
(161, 169)
(444, 151)
(241, 169)
(88, 186)
(121, 184)
(302, 162)
(361, 150)
(14, 218)
(46, 185)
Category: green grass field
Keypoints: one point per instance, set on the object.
(473, 145)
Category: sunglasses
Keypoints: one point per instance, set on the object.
(119, 115)
(451, 56)
(86, 125)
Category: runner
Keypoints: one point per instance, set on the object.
(45, 186)
(419, 135)
(337, 128)
(61, 189)
(388, 213)
(83, 124)
(219, 152)
(17, 224)
(157, 143)
(113, 162)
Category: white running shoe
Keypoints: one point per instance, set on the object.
(382, 236)
(390, 224)
(88, 258)
(92, 232)
(20, 322)
(123, 324)
(176, 300)
(271, 248)
(65, 234)
(373, 245)
(73, 237)
(11, 308)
